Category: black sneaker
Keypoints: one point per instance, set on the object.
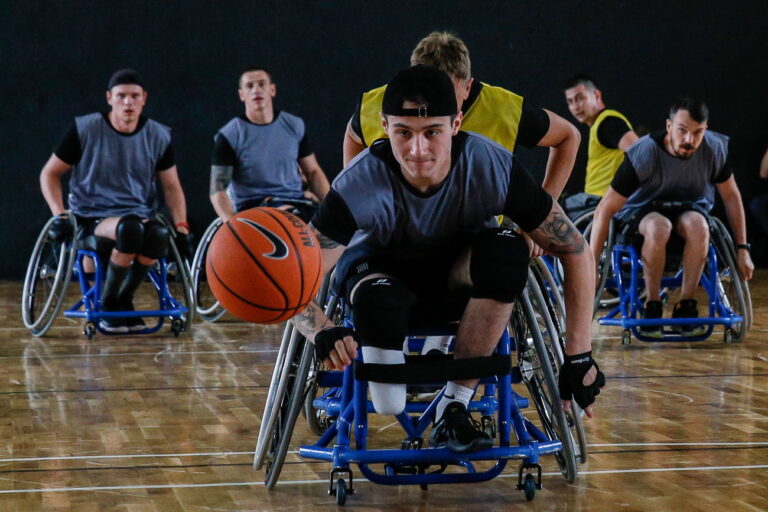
(114, 325)
(653, 309)
(458, 432)
(134, 323)
(688, 308)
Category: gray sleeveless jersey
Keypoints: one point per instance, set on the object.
(267, 155)
(395, 221)
(663, 177)
(116, 173)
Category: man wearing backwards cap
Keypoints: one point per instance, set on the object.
(410, 226)
(115, 157)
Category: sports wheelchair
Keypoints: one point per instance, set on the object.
(208, 308)
(336, 407)
(729, 302)
(54, 262)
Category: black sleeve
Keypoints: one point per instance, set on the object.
(305, 147)
(168, 160)
(611, 130)
(354, 121)
(69, 149)
(625, 181)
(534, 125)
(223, 154)
(727, 170)
(527, 203)
(333, 219)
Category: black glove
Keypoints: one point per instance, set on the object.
(571, 382)
(185, 243)
(325, 340)
(60, 229)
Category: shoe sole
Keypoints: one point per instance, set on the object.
(114, 330)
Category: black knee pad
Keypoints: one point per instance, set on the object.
(156, 237)
(498, 265)
(129, 235)
(380, 308)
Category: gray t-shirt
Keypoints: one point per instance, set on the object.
(650, 173)
(264, 156)
(374, 212)
(113, 174)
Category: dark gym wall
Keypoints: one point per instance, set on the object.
(57, 57)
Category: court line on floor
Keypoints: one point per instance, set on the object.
(250, 453)
(325, 482)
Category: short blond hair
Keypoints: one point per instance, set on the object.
(444, 51)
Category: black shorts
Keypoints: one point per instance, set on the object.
(87, 226)
(627, 227)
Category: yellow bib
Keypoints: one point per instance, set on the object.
(495, 113)
(602, 162)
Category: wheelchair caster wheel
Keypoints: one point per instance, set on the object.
(89, 330)
(529, 487)
(489, 426)
(177, 327)
(728, 336)
(341, 492)
(626, 337)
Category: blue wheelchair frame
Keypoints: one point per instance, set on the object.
(89, 306)
(630, 285)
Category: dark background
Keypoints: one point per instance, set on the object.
(57, 56)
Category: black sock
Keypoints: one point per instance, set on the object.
(112, 283)
(136, 276)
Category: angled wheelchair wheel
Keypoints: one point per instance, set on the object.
(538, 366)
(47, 278)
(603, 299)
(208, 308)
(286, 412)
(733, 290)
(180, 285)
(550, 314)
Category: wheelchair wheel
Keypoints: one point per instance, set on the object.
(733, 290)
(47, 279)
(208, 308)
(180, 283)
(286, 412)
(550, 314)
(537, 363)
(604, 266)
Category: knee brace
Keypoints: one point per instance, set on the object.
(380, 308)
(156, 237)
(129, 235)
(498, 265)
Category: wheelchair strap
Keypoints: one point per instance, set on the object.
(423, 370)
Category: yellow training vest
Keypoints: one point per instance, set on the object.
(602, 162)
(495, 113)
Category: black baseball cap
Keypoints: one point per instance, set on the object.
(123, 77)
(426, 85)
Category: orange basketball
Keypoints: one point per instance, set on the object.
(264, 265)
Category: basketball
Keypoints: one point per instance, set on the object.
(264, 265)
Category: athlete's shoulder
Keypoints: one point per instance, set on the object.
(89, 120)
(376, 92)
(495, 90)
(476, 143)
(287, 117)
(158, 126)
(644, 152)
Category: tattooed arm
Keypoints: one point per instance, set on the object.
(559, 237)
(221, 175)
(313, 319)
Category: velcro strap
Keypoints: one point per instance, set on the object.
(428, 370)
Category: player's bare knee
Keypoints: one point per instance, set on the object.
(498, 265)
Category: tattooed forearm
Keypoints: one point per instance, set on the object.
(558, 235)
(310, 321)
(325, 242)
(221, 175)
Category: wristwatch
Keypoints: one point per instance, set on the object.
(748, 247)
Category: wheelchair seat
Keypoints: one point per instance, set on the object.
(100, 245)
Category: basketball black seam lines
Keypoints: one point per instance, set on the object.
(258, 263)
(230, 290)
(295, 248)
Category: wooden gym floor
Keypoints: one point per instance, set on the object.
(162, 424)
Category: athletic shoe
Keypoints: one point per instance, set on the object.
(114, 325)
(134, 323)
(653, 309)
(458, 432)
(688, 308)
